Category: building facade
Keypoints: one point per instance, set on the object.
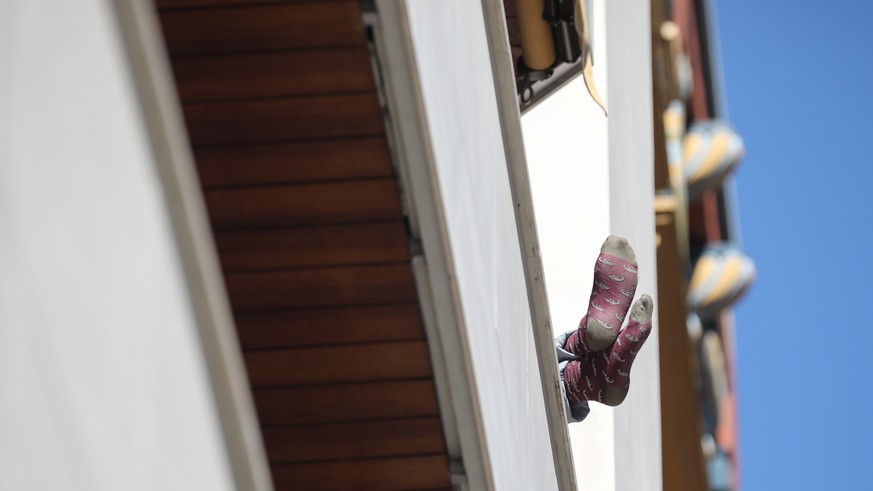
(328, 244)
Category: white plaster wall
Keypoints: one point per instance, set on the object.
(601, 183)
(631, 156)
(461, 110)
(570, 184)
(102, 382)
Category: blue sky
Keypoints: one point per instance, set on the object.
(799, 85)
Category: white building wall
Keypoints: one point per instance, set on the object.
(599, 183)
(631, 213)
(460, 105)
(103, 383)
(571, 197)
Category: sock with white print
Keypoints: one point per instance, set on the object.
(615, 283)
(605, 376)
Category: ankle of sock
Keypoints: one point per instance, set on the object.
(585, 379)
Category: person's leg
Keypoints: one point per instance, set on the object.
(615, 283)
(605, 376)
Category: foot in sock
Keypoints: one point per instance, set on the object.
(605, 376)
(615, 283)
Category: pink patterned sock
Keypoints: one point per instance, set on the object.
(605, 376)
(615, 283)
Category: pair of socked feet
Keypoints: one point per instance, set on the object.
(606, 351)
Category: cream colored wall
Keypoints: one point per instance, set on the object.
(601, 182)
(460, 107)
(103, 383)
(571, 197)
(580, 202)
(631, 155)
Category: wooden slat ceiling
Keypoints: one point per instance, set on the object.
(287, 133)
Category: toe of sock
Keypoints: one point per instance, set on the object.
(642, 309)
(615, 395)
(620, 248)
